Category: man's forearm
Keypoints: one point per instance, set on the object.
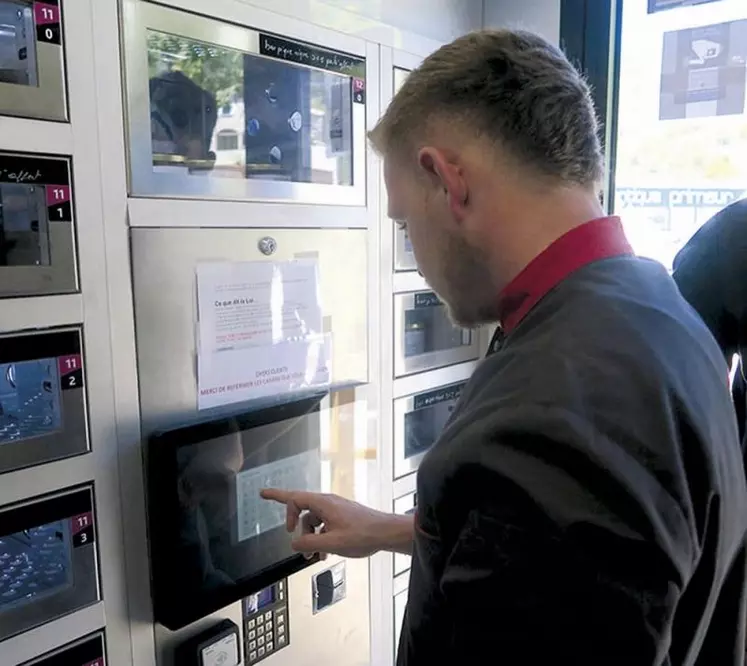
(396, 533)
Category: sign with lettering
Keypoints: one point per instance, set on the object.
(426, 299)
(674, 197)
(446, 394)
(318, 57)
(703, 71)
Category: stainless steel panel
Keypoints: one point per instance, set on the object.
(43, 414)
(298, 135)
(418, 422)
(88, 651)
(37, 229)
(424, 336)
(32, 76)
(164, 262)
(48, 563)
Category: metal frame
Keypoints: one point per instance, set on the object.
(90, 308)
(61, 275)
(402, 505)
(402, 407)
(139, 16)
(71, 439)
(403, 365)
(47, 100)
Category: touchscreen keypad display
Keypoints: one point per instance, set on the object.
(47, 560)
(17, 43)
(89, 651)
(42, 398)
(229, 114)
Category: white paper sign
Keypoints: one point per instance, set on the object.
(260, 331)
(237, 375)
(257, 303)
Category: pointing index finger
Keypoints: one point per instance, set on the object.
(295, 501)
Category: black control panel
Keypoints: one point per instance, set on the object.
(266, 628)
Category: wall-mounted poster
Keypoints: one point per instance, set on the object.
(703, 71)
(660, 5)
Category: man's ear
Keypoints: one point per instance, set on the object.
(446, 175)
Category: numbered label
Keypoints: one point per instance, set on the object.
(97, 662)
(71, 371)
(47, 19)
(59, 203)
(82, 529)
(359, 91)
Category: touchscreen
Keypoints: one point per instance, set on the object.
(30, 404)
(228, 533)
(17, 43)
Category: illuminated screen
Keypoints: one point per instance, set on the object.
(30, 399)
(227, 532)
(17, 43)
(34, 563)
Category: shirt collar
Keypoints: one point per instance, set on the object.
(602, 238)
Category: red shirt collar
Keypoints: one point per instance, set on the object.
(599, 239)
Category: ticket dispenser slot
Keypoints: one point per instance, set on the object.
(328, 587)
(266, 626)
(48, 564)
(213, 539)
(270, 117)
(37, 235)
(89, 651)
(418, 422)
(42, 398)
(405, 505)
(425, 338)
(32, 76)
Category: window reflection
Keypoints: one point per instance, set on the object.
(229, 114)
(17, 44)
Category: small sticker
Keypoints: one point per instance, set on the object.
(47, 19)
(71, 371)
(82, 529)
(359, 91)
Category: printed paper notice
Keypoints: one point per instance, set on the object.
(257, 303)
(238, 375)
(260, 330)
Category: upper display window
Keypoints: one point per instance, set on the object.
(32, 78)
(221, 111)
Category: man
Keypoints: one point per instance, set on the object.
(585, 504)
(711, 272)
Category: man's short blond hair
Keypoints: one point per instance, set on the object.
(507, 87)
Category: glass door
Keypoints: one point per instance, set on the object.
(676, 122)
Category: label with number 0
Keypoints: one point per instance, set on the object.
(71, 371)
(47, 19)
(82, 529)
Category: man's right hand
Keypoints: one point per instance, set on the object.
(335, 525)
